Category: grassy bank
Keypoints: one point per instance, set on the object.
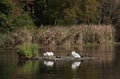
(27, 50)
(52, 36)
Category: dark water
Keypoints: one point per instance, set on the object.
(106, 67)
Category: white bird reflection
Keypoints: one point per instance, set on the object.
(75, 65)
(49, 63)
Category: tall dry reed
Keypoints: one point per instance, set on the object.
(74, 35)
(62, 36)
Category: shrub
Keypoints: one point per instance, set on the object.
(27, 50)
(6, 40)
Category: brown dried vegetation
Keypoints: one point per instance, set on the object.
(62, 36)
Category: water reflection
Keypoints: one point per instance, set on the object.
(75, 64)
(49, 63)
(108, 67)
(28, 67)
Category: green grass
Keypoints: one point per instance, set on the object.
(28, 50)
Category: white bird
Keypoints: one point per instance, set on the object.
(51, 53)
(48, 54)
(75, 55)
(45, 54)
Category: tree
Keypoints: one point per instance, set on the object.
(107, 10)
(40, 12)
(52, 12)
(89, 11)
(116, 22)
(5, 12)
(12, 16)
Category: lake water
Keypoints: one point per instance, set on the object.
(106, 67)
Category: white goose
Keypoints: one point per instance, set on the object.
(75, 55)
(48, 54)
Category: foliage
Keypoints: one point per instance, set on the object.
(15, 14)
(23, 20)
(5, 12)
(5, 6)
(6, 40)
(90, 14)
(27, 50)
(2, 37)
(66, 12)
(12, 17)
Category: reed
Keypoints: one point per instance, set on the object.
(74, 35)
(52, 36)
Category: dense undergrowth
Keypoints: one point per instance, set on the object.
(27, 50)
(52, 36)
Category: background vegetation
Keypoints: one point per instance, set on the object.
(60, 36)
(15, 15)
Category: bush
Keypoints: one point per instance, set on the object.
(6, 40)
(27, 50)
(11, 19)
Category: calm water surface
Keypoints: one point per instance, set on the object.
(106, 67)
